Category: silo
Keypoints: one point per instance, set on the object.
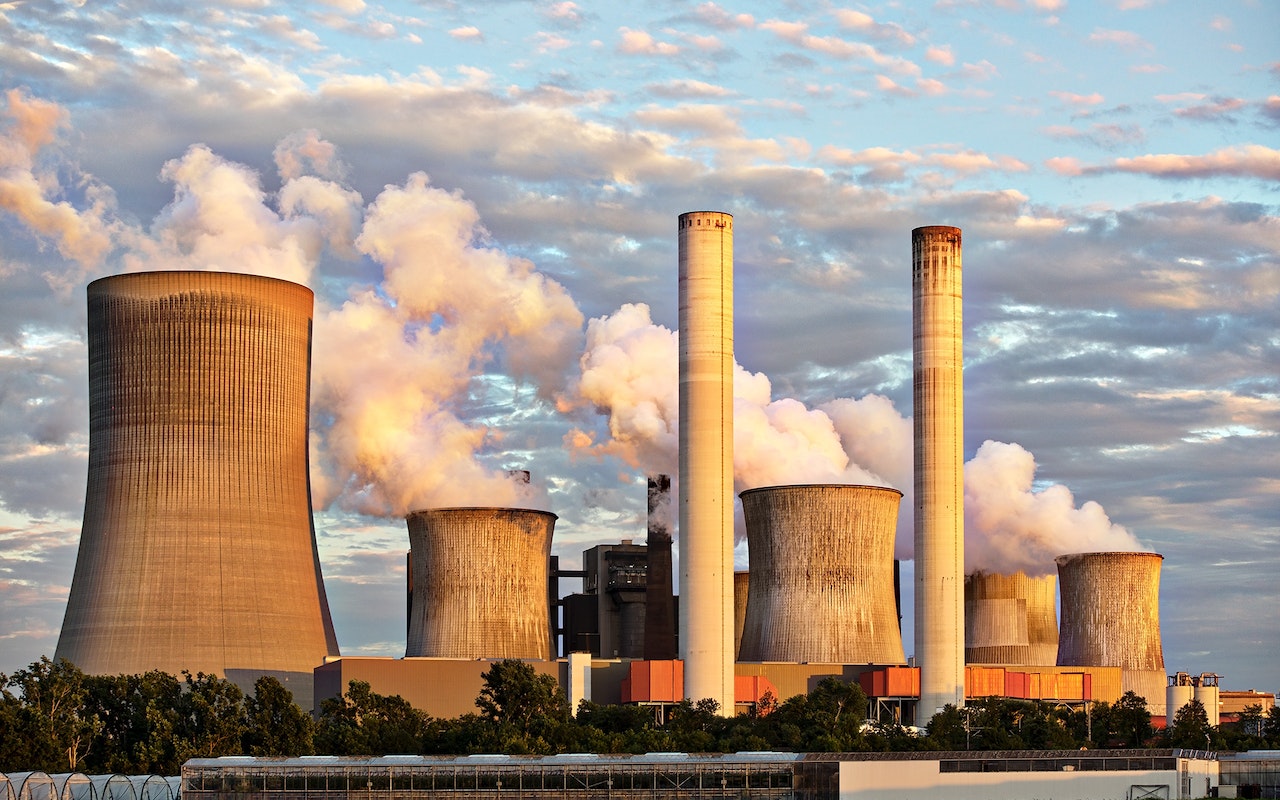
(1178, 693)
(1206, 691)
(1010, 619)
(706, 455)
(821, 585)
(480, 583)
(1111, 618)
(938, 403)
(197, 550)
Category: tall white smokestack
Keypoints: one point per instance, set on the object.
(937, 346)
(706, 456)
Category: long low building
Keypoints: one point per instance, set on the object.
(1130, 774)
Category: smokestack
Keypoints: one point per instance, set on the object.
(197, 551)
(480, 583)
(938, 381)
(706, 456)
(821, 586)
(1010, 619)
(1111, 618)
(660, 606)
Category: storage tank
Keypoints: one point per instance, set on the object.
(1178, 693)
(1010, 619)
(1111, 618)
(197, 550)
(480, 583)
(821, 577)
(1206, 691)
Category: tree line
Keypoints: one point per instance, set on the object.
(55, 718)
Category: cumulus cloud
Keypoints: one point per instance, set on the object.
(863, 23)
(635, 43)
(1243, 161)
(1125, 40)
(716, 16)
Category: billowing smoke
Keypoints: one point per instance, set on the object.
(630, 373)
(32, 190)
(1010, 527)
(394, 366)
(394, 363)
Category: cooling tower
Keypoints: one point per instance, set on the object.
(480, 583)
(938, 385)
(741, 584)
(1111, 618)
(706, 456)
(197, 551)
(821, 585)
(1010, 619)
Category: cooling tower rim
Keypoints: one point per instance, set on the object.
(758, 489)
(989, 572)
(462, 509)
(705, 211)
(1112, 555)
(934, 229)
(131, 277)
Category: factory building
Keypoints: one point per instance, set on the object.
(821, 577)
(197, 550)
(706, 454)
(938, 419)
(480, 583)
(1111, 618)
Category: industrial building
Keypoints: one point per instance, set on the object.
(1133, 774)
(197, 550)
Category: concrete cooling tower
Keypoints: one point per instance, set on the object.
(480, 583)
(197, 550)
(821, 578)
(1010, 619)
(1111, 618)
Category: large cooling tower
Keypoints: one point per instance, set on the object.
(706, 456)
(480, 583)
(1111, 618)
(938, 382)
(197, 551)
(1010, 619)
(821, 586)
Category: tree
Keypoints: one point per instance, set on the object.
(527, 712)
(210, 717)
(59, 733)
(1190, 728)
(139, 715)
(365, 723)
(1127, 723)
(274, 724)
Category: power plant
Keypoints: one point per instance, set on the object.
(821, 578)
(480, 583)
(1010, 619)
(1111, 618)
(938, 403)
(706, 455)
(197, 550)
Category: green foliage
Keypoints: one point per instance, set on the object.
(274, 724)
(365, 723)
(55, 732)
(1190, 729)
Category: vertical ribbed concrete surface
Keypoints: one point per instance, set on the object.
(938, 385)
(821, 586)
(1111, 618)
(1010, 619)
(197, 551)
(480, 583)
(741, 586)
(706, 455)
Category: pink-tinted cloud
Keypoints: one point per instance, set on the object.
(636, 43)
(941, 55)
(1079, 100)
(467, 33)
(713, 15)
(863, 23)
(1125, 40)
(565, 13)
(1217, 108)
(1242, 161)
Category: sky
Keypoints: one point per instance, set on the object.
(484, 198)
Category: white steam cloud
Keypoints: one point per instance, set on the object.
(394, 364)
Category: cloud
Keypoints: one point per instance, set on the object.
(467, 33)
(940, 55)
(1125, 40)
(1104, 135)
(715, 16)
(685, 88)
(863, 23)
(642, 43)
(1078, 100)
(565, 13)
(1217, 108)
(1241, 161)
